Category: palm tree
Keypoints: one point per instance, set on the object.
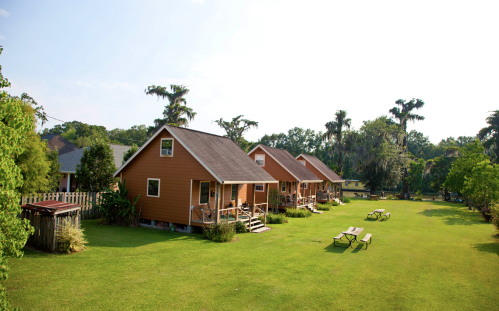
(490, 135)
(334, 134)
(176, 112)
(404, 114)
(234, 129)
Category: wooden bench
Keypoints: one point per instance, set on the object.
(370, 214)
(367, 239)
(387, 215)
(338, 237)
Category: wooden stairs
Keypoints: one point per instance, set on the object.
(253, 224)
(311, 208)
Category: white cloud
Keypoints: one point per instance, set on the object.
(4, 13)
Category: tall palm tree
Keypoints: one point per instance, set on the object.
(490, 135)
(176, 112)
(334, 134)
(404, 114)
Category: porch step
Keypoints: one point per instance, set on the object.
(260, 230)
(257, 226)
(317, 212)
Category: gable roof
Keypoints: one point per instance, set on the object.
(289, 163)
(63, 145)
(220, 156)
(321, 167)
(71, 159)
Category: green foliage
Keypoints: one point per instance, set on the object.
(298, 213)
(96, 168)
(137, 134)
(70, 238)
(222, 232)
(129, 153)
(494, 211)
(15, 129)
(390, 197)
(326, 206)
(276, 219)
(378, 157)
(116, 208)
(240, 227)
(334, 134)
(482, 187)
(53, 174)
(236, 128)
(334, 203)
(274, 200)
(490, 135)
(415, 176)
(440, 168)
(345, 200)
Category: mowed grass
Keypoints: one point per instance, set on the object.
(428, 256)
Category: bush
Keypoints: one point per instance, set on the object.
(277, 219)
(494, 211)
(389, 197)
(240, 227)
(345, 200)
(418, 198)
(115, 208)
(70, 238)
(325, 206)
(222, 232)
(334, 203)
(298, 213)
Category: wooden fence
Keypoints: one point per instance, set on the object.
(84, 199)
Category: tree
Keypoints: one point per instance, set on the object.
(129, 153)
(33, 164)
(463, 165)
(333, 134)
(78, 133)
(404, 114)
(236, 128)
(490, 135)
(53, 174)
(415, 176)
(483, 185)
(439, 168)
(96, 168)
(377, 157)
(176, 112)
(15, 127)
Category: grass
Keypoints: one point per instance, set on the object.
(427, 256)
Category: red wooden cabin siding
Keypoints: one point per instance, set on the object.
(272, 167)
(175, 174)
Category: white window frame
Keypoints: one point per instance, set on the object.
(304, 185)
(263, 188)
(260, 155)
(159, 187)
(283, 184)
(209, 187)
(161, 148)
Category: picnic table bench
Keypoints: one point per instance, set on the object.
(367, 239)
(376, 212)
(387, 215)
(353, 232)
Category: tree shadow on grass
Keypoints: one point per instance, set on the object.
(455, 216)
(489, 247)
(342, 247)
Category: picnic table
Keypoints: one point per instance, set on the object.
(373, 197)
(378, 212)
(351, 234)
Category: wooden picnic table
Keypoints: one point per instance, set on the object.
(352, 232)
(378, 212)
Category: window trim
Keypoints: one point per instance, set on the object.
(263, 189)
(209, 186)
(161, 147)
(302, 162)
(284, 183)
(261, 155)
(159, 187)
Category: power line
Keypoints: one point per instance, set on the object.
(140, 141)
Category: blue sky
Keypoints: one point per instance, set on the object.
(281, 63)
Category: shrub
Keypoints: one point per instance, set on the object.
(418, 198)
(334, 203)
(494, 211)
(240, 227)
(486, 214)
(389, 197)
(70, 238)
(298, 213)
(277, 219)
(222, 232)
(115, 208)
(345, 200)
(325, 206)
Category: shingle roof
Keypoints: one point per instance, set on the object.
(71, 159)
(227, 160)
(321, 167)
(62, 144)
(289, 163)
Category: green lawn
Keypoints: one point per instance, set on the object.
(428, 256)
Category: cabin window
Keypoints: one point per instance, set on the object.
(153, 187)
(346, 183)
(356, 184)
(302, 162)
(204, 192)
(234, 192)
(304, 185)
(260, 159)
(259, 187)
(167, 147)
(283, 186)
